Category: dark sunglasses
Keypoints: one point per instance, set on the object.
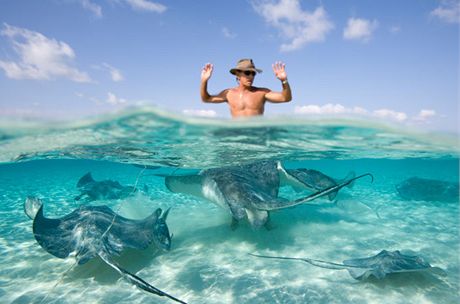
(249, 73)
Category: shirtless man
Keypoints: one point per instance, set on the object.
(246, 100)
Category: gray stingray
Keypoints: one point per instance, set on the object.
(97, 231)
(378, 266)
(99, 190)
(246, 191)
(416, 188)
(314, 180)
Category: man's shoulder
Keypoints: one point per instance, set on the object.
(225, 91)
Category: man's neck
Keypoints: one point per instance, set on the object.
(242, 87)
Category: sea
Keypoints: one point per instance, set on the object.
(209, 262)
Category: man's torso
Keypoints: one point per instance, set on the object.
(246, 103)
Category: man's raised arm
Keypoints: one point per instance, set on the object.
(285, 95)
(206, 73)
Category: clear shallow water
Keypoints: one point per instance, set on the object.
(209, 263)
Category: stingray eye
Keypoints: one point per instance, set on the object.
(158, 212)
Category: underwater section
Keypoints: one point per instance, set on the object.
(219, 179)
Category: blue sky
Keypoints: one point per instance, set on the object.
(395, 60)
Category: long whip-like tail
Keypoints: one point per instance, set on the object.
(331, 189)
(319, 263)
(276, 204)
(134, 279)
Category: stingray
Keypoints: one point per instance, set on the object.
(97, 231)
(100, 190)
(377, 266)
(313, 180)
(422, 189)
(247, 191)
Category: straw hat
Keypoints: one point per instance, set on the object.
(245, 65)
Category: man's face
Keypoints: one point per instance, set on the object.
(246, 77)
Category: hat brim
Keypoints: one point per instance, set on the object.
(234, 70)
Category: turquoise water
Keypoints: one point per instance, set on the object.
(209, 262)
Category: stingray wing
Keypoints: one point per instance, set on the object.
(186, 184)
(386, 262)
(314, 180)
(92, 230)
(263, 174)
(310, 179)
(85, 180)
(56, 236)
(137, 234)
(225, 187)
(241, 191)
(364, 273)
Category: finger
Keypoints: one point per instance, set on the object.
(278, 65)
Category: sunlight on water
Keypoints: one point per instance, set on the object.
(209, 262)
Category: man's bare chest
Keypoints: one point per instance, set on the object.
(246, 99)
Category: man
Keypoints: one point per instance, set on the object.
(245, 99)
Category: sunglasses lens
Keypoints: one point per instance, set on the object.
(248, 73)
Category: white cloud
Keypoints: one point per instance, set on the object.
(227, 33)
(390, 114)
(145, 5)
(138, 5)
(93, 7)
(448, 11)
(114, 100)
(111, 99)
(114, 73)
(299, 26)
(424, 115)
(359, 29)
(202, 113)
(387, 114)
(39, 57)
(328, 109)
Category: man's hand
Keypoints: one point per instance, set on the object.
(278, 69)
(206, 72)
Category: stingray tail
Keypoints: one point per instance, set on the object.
(318, 263)
(350, 176)
(330, 190)
(134, 279)
(333, 189)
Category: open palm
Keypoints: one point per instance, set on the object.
(279, 70)
(206, 72)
